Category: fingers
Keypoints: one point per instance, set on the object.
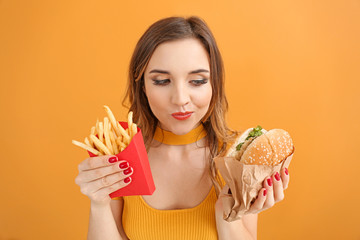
(102, 194)
(285, 177)
(225, 190)
(278, 187)
(272, 191)
(96, 162)
(111, 188)
(257, 206)
(108, 183)
(100, 176)
(219, 203)
(265, 198)
(279, 184)
(97, 173)
(268, 184)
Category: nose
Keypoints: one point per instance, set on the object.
(180, 95)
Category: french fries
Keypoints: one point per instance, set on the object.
(108, 137)
(86, 147)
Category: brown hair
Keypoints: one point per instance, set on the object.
(169, 29)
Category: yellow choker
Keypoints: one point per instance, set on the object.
(172, 139)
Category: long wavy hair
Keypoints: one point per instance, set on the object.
(219, 135)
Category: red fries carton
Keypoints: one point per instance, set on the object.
(142, 182)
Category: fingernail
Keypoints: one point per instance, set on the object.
(269, 181)
(128, 171)
(277, 176)
(265, 191)
(113, 159)
(124, 165)
(126, 180)
(286, 171)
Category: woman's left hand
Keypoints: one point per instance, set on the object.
(272, 191)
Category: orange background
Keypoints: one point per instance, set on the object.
(289, 64)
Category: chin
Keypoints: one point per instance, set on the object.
(182, 129)
(178, 127)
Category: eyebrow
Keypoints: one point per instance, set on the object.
(166, 72)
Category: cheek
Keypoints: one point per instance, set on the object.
(155, 99)
(202, 99)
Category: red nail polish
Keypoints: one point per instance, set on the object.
(277, 176)
(113, 159)
(124, 165)
(126, 180)
(265, 191)
(269, 181)
(286, 171)
(128, 171)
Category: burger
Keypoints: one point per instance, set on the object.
(257, 146)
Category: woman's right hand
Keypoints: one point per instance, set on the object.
(100, 176)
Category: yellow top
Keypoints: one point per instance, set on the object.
(141, 221)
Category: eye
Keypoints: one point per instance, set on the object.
(160, 82)
(199, 82)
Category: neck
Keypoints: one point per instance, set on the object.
(183, 148)
(179, 154)
(193, 139)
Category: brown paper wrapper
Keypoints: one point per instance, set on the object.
(244, 181)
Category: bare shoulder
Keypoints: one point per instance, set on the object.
(117, 206)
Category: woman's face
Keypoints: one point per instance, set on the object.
(177, 79)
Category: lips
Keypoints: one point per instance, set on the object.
(182, 115)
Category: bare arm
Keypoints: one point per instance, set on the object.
(246, 228)
(102, 224)
(97, 178)
(117, 210)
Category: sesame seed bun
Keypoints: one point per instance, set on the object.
(270, 148)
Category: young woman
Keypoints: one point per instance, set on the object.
(176, 92)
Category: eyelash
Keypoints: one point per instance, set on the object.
(162, 82)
